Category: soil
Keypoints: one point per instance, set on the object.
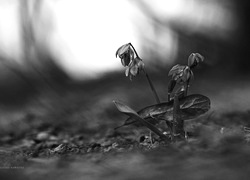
(71, 136)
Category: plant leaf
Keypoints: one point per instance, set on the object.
(191, 107)
(124, 108)
(176, 70)
(132, 113)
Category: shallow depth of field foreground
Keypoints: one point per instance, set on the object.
(70, 135)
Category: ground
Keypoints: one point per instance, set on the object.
(70, 135)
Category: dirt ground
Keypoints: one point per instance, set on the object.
(70, 135)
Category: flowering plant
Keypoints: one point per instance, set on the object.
(178, 108)
(183, 74)
(134, 64)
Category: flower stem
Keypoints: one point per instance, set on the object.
(134, 50)
(152, 87)
(178, 129)
(149, 80)
(187, 88)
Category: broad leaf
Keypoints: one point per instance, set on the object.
(133, 114)
(191, 107)
(124, 108)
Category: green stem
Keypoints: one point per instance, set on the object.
(171, 86)
(186, 88)
(134, 50)
(152, 88)
(178, 129)
(148, 78)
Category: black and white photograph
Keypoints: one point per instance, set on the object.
(124, 89)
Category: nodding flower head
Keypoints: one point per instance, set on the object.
(134, 68)
(126, 54)
(181, 74)
(194, 59)
(133, 64)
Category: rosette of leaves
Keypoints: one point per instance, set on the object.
(191, 107)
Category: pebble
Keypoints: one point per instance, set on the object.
(42, 136)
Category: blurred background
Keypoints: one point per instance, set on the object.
(80, 38)
(53, 52)
(59, 76)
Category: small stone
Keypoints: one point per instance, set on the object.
(120, 150)
(59, 148)
(89, 150)
(107, 149)
(53, 138)
(106, 143)
(42, 136)
(114, 145)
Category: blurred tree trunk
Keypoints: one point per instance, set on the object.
(37, 56)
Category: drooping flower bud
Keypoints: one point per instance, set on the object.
(126, 54)
(181, 74)
(132, 64)
(194, 59)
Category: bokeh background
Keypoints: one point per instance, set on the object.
(80, 38)
(59, 76)
(57, 57)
